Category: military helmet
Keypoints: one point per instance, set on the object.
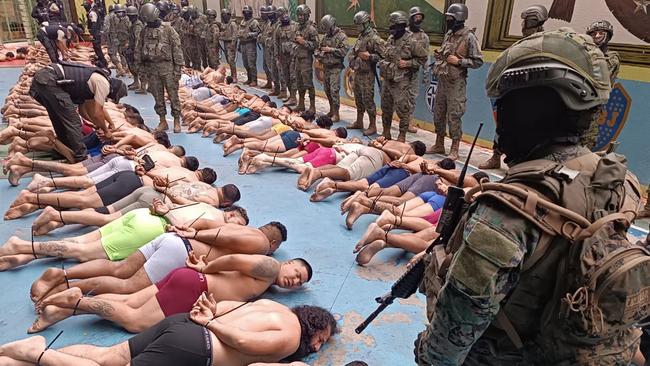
(536, 14)
(264, 9)
(457, 11)
(226, 11)
(397, 17)
(415, 11)
(247, 9)
(211, 13)
(568, 62)
(601, 25)
(327, 22)
(164, 8)
(271, 9)
(111, 8)
(119, 8)
(361, 17)
(149, 12)
(282, 11)
(302, 13)
(131, 10)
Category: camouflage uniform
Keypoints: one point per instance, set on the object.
(364, 74)
(451, 95)
(114, 46)
(180, 26)
(270, 54)
(161, 58)
(265, 26)
(123, 36)
(134, 37)
(422, 40)
(395, 95)
(195, 32)
(333, 65)
(212, 32)
(284, 50)
(106, 31)
(304, 61)
(203, 42)
(229, 37)
(247, 35)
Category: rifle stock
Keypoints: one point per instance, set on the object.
(452, 210)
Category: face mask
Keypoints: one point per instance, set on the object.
(225, 18)
(155, 24)
(361, 28)
(132, 18)
(451, 23)
(272, 18)
(285, 20)
(248, 15)
(397, 31)
(416, 24)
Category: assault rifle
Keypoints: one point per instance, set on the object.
(410, 280)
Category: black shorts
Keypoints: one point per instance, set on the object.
(176, 340)
(250, 117)
(118, 186)
(417, 183)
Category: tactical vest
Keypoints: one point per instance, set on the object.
(306, 31)
(246, 30)
(78, 75)
(584, 286)
(269, 35)
(157, 44)
(285, 35)
(454, 43)
(229, 33)
(329, 59)
(367, 42)
(212, 34)
(51, 31)
(396, 50)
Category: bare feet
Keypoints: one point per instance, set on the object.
(256, 165)
(40, 184)
(49, 316)
(231, 145)
(369, 251)
(48, 280)
(47, 221)
(21, 198)
(307, 178)
(13, 261)
(25, 349)
(17, 159)
(356, 210)
(345, 205)
(323, 190)
(16, 172)
(20, 211)
(386, 218)
(373, 233)
(65, 299)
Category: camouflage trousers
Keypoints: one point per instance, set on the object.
(231, 56)
(395, 99)
(214, 55)
(413, 91)
(161, 77)
(186, 54)
(265, 64)
(114, 53)
(272, 66)
(194, 52)
(249, 59)
(287, 76)
(332, 86)
(364, 92)
(304, 71)
(203, 51)
(449, 106)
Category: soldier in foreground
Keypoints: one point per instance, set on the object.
(305, 43)
(331, 54)
(284, 54)
(459, 51)
(416, 17)
(495, 306)
(249, 29)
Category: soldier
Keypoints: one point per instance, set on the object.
(249, 29)
(123, 26)
(95, 16)
(116, 35)
(40, 11)
(490, 306)
(602, 32)
(265, 25)
(363, 60)
(193, 38)
(533, 19)
(284, 51)
(180, 26)
(398, 64)
(212, 38)
(270, 50)
(229, 31)
(331, 54)
(416, 17)
(161, 58)
(201, 29)
(459, 51)
(139, 83)
(305, 43)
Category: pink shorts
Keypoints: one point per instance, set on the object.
(434, 217)
(321, 156)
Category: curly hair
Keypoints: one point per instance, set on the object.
(312, 319)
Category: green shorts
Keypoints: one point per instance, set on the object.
(125, 235)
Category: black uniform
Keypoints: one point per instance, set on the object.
(60, 92)
(95, 17)
(48, 35)
(41, 13)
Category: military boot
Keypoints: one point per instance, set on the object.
(386, 131)
(177, 124)
(268, 85)
(372, 126)
(162, 126)
(358, 123)
(453, 153)
(494, 162)
(335, 114)
(312, 101)
(143, 88)
(292, 99)
(402, 136)
(253, 83)
(439, 146)
(282, 95)
(301, 102)
(135, 84)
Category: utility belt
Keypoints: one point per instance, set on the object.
(60, 74)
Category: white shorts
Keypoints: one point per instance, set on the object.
(113, 166)
(260, 125)
(164, 254)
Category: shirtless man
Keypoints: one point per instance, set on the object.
(180, 194)
(234, 277)
(228, 333)
(121, 237)
(156, 259)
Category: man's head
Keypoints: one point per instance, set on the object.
(480, 176)
(190, 163)
(419, 148)
(294, 273)
(356, 363)
(362, 21)
(446, 164)
(177, 150)
(165, 8)
(236, 215)
(162, 138)
(132, 13)
(272, 13)
(283, 15)
(455, 16)
(547, 89)
(533, 19)
(149, 13)
(341, 132)
(276, 233)
(117, 90)
(207, 175)
(120, 10)
(229, 195)
(601, 32)
(397, 21)
(302, 13)
(264, 13)
(328, 24)
(316, 327)
(226, 14)
(247, 12)
(324, 121)
(416, 17)
(211, 14)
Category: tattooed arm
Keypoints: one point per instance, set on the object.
(257, 266)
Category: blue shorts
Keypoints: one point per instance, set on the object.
(242, 111)
(290, 139)
(435, 199)
(387, 176)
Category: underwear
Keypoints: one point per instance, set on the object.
(290, 139)
(97, 161)
(433, 198)
(175, 340)
(417, 183)
(92, 143)
(387, 176)
(362, 163)
(280, 128)
(202, 93)
(123, 236)
(260, 125)
(252, 116)
(117, 186)
(242, 111)
(218, 98)
(320, 157)
(113, 166)
(164, 254)
(434, 217)
(225, 101)
(178, 291)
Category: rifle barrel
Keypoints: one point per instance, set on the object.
(461, 179)
(372, 316)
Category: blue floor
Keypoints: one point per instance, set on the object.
(315, 232)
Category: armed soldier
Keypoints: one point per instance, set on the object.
(229, 31)
(161, 59)
(533, 19)
(114, 45)
(106, 27)
(265, 24)
(195, 28)
(331, 54)
(602, 32)
(284, 49)
(363, 60)
(502, 300)
(212, 38)
(416, 17)
(398, 65)
(305, 43)
(201, 30)
(459, 51)
(139, 83)
(180, 26)
(123, 26)
(270, 64)
(249, 29)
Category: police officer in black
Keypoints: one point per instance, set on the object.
(55, 37)
(40, 11)
(95, 15)
(61, 87)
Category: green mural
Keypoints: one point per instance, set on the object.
(344, 10)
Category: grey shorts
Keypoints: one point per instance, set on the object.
(97, 161)
(417, 183)
(164, 254)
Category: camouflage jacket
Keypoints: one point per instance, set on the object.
(160, 45)
(134, 34)
(196, 27)
(248, 30)
(337, 41)
(464, 45)
(614, 64)
(370, 42)
(310, 34)
(212, 33)
(405, 48)
(422, 40)
(261, 37)
(229, 31)
(284, 36)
